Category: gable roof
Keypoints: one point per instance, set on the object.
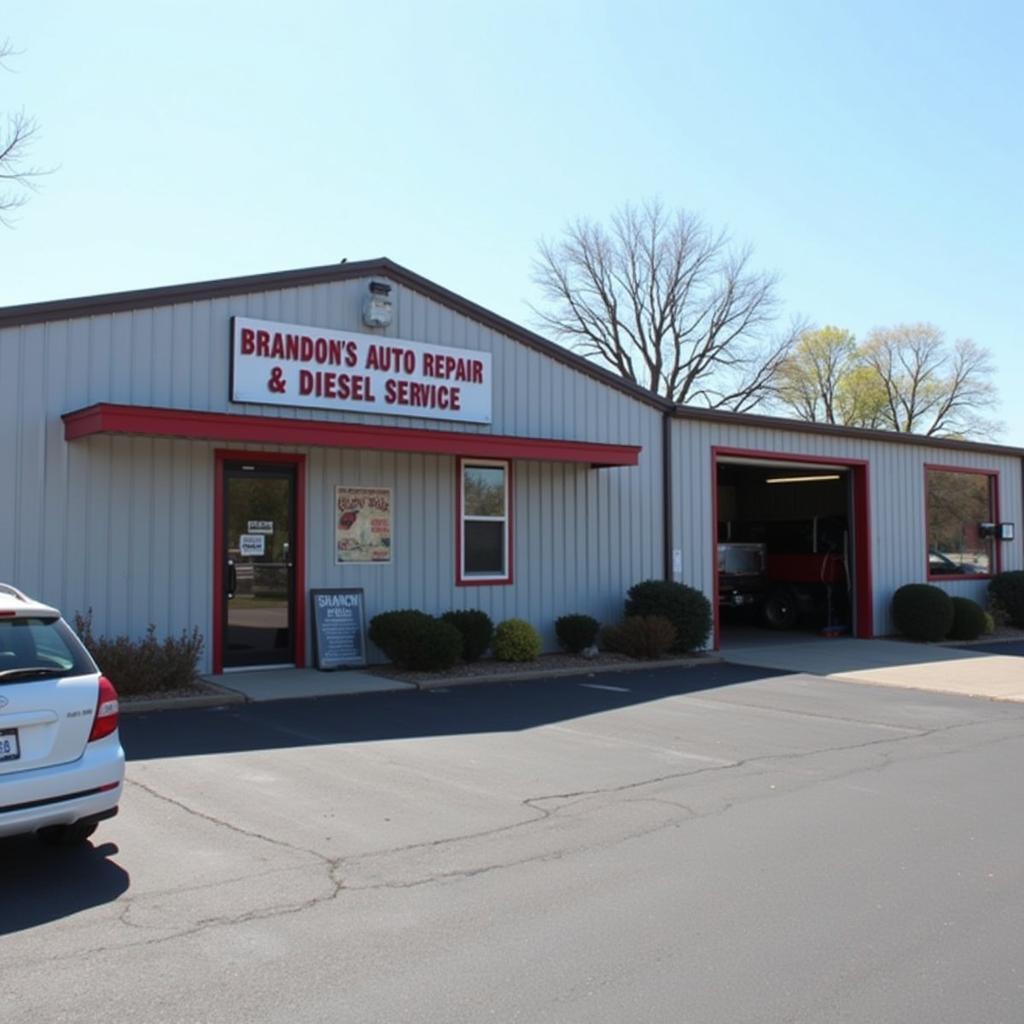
(149, 298)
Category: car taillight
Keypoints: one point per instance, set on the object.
(105, 721)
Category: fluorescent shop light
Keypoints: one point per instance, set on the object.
(801, 479)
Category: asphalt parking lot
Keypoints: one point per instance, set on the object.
(714, 844)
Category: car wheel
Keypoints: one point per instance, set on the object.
(781, 608)
(67, 835)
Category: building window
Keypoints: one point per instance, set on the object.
(484, 526)
(958, 503)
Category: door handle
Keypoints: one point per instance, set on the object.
(232, 578)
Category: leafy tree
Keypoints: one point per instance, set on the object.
(665, 302)
(930, 387)
(905, 378)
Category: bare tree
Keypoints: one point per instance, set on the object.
(667, 303)
(17, 133)
(928, 387)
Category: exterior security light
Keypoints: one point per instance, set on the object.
(986, 529)
(1005, 531)
(377, 305)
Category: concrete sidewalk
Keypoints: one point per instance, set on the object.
(893, 663)
(289, 683)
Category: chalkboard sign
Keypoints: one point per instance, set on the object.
(338, 627)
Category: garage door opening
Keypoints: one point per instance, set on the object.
(791, 548)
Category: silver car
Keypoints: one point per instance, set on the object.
(61, 762)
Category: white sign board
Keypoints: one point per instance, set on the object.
(260, 526)
(252, 544)
(311, 367)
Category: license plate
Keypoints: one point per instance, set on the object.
(9, 749)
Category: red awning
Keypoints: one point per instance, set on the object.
(144, 421)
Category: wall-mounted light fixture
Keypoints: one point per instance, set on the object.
(1005, 531)
(801, 479)
(377, 305)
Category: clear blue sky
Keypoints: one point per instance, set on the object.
(872, 153)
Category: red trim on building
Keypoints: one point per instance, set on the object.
(222, 455)
(861, 527)
(494, 581)
(997, 552)
(105, 418)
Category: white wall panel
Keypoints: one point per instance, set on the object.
(125, 525)
(896, 482)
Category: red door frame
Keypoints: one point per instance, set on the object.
(861, 500)
(222, 455)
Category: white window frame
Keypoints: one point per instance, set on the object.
(470, 578)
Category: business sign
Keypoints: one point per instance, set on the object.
(260, 526)
(338, 627)
(310, 367)
(362, 524)
(252, 544)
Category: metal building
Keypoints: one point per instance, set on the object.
(207, 455)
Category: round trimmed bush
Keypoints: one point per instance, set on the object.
(576, 632)
(1007, 589)
(516, 640)
(641, 636)
(477, 632)
(922, 612)
(687, 609)
(968, 619)
(415, 640)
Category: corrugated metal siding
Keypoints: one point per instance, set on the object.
(124, 525)
(896, 480)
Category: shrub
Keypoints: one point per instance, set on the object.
(641, 636)
(968, 619)
(477, 632)
(1007, 588)
(148, 665)
(686, 608)
(415, 640)
(922, 612)
(576, 632)
(990, 624)
(516, 640)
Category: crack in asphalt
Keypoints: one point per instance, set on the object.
(335, 868)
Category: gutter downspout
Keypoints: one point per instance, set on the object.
(667, 489)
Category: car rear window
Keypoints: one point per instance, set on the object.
(42, 643)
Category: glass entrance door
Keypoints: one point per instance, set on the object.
(259, 569)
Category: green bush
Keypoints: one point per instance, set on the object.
(990, 624)
(576, 632)
(641, 636)
(148, 665)
(1007, 589)
(477, 632)
(516, 640)
(922, 612)
(968, 619)
(686, 608)
(415, 640)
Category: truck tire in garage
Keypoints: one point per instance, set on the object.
(781, 608)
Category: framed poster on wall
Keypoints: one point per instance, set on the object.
(362, 525)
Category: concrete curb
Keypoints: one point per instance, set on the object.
(226, 696)
(562, 673)
(199, 700)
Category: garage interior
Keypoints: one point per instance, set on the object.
(785, 558)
